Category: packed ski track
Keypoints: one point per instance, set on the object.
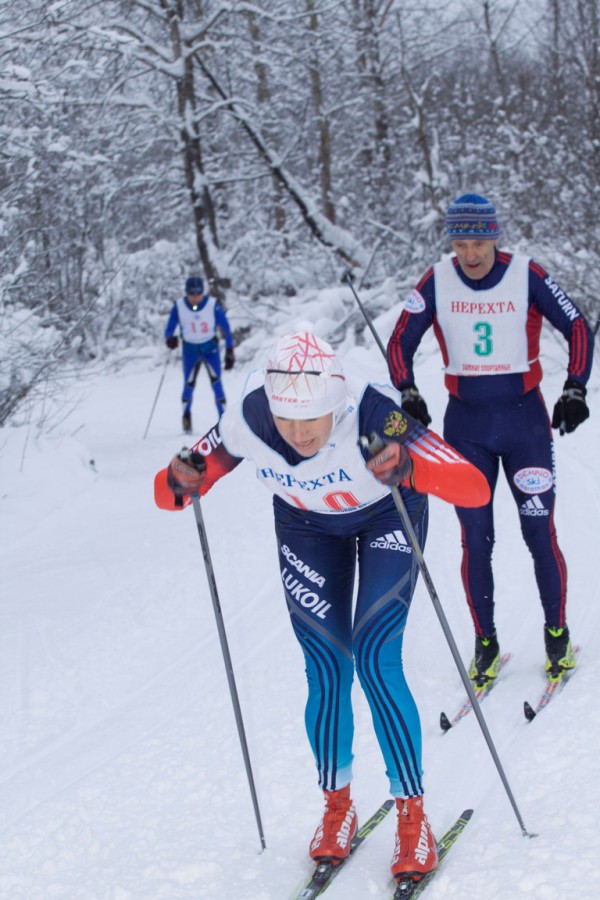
(121, 775)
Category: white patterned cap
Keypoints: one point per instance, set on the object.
(304, 379)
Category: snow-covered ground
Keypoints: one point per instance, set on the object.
(121, 775)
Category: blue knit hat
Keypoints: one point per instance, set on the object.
(194, 285)
(472, 216)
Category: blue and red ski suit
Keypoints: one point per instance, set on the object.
(499, 418)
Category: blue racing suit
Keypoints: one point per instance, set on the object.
(496, 414)
(198, 325)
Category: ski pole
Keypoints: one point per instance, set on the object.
(373, 444)
(210, 574)
(348, 278)
(160, 384)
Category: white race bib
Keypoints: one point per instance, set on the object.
(485, 332)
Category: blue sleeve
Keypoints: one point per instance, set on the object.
(223, 323)
(173, 321)
(417, 316)
(564, 315)
(380, 414)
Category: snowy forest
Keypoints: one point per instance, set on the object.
(271, 145)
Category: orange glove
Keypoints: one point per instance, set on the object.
(392, 464)
(186, 473)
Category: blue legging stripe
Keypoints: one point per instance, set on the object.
(336, 636)
(324, 736)
(369, 650)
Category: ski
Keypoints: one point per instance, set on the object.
(480, 693)
(326, 871)
(551, 690)
(409, 888)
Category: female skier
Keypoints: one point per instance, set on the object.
(300, 423)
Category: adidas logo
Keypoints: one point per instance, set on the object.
(394, 540)
(534, 507)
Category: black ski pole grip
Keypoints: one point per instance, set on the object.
(373, 443)
(184, 455)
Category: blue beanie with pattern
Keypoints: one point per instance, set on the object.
(472, 217)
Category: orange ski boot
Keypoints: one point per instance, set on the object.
(415, 853)
(336, 829)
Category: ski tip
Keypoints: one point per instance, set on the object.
(445, 723)
(466, 814)
(529, 711)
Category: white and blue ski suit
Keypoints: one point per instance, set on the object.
(333, 522)
(198, 325)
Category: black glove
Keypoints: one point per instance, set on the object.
(229, 358)
(414, 405)
(172, 342)
(570, 409)
(186, 472)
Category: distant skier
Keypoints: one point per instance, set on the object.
(486, 308)
(299, 423)
(198, 316)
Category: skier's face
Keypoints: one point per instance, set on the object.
(306, 436)
(475, 257)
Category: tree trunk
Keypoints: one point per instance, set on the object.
(203, 210)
